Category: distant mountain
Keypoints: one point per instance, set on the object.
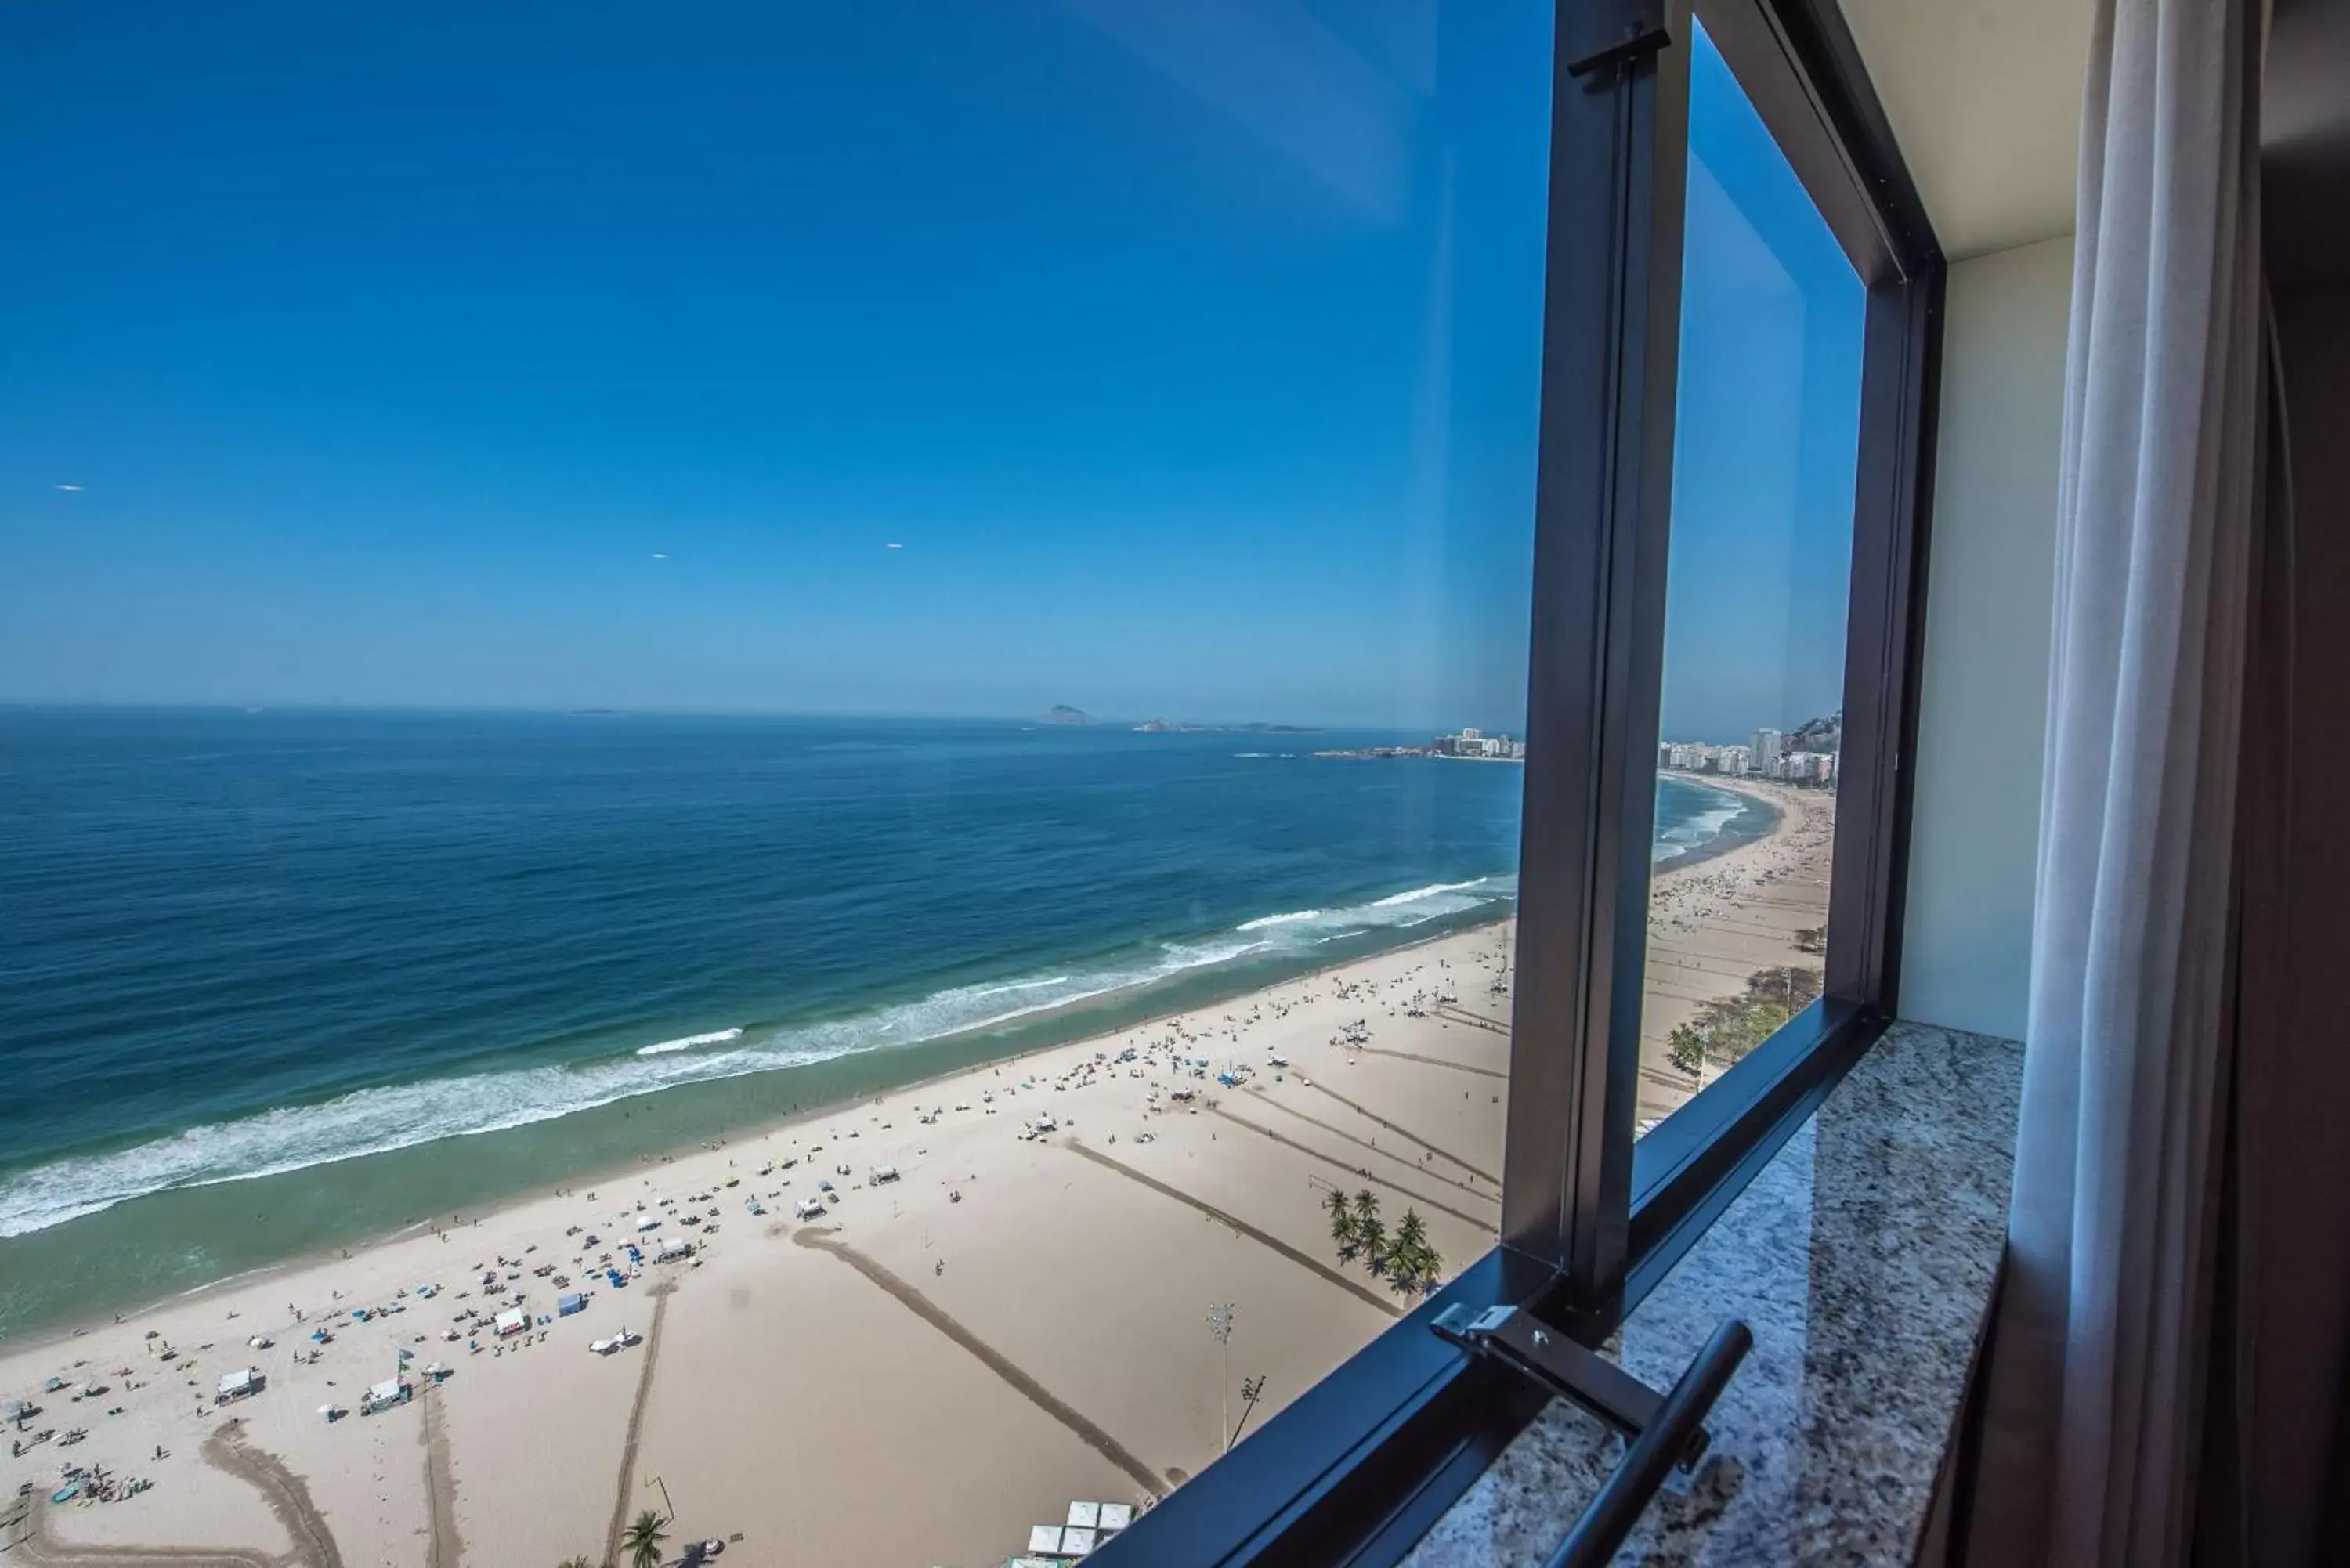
(1061, 714)
(1819, 735)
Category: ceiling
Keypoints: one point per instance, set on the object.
(1985, 99)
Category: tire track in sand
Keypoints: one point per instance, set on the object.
(1483, 1221)
(996, 1361)
(1434, 1062)
(1242, 1226)
(39, 1546)
(1369, 1114)
(288, 1494)
(660, 1294)
(448, 1548)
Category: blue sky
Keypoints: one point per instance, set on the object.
(598, 354)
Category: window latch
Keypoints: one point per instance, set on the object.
(1661, 1431)
(1641, 37)
(1516, 1338)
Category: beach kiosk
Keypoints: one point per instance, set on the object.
(570, 1302)
(242, 1384)
(671, 1251)
(512, 1321)
(385, 1394)
(809, 1209)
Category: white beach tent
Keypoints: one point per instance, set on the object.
(245, 1381)
(513, 1320)
(384, 1396)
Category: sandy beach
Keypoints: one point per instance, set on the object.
(944, 1357)
(1715, 922)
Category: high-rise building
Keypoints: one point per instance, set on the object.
(1766, 751)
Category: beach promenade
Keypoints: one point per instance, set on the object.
(944, 1356)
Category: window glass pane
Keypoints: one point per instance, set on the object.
(1764, 448)
(829, 690)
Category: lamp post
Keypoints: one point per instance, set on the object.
(1220, 1328)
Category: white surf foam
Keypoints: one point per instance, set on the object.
(1700, 829)
(400, 1115)
(1262, 921)
(716, 1037)
(1433, 890)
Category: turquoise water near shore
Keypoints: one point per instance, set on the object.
(261, 970)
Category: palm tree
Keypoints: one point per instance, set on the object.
(1431, 1266)
(574, 1562)
(1370, 1235)
(1411, 1260)
(643, 1538)
(1342, 1224)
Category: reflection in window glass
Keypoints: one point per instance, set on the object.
(763, 761)
(1764, 448)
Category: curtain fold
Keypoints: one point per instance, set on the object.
(2101, 1366)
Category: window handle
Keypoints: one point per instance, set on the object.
(1660, 1430)
(1652, 1454)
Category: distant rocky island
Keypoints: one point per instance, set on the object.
(1061, 714)
(1169, 727)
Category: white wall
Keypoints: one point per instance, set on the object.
(1967, 945)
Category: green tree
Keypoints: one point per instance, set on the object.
(1342, 1224)
(1370, 1233)
(1431, 1268)
(643, 1538)
(1408, 1253)
(1685, 1048)
(1726, 1028)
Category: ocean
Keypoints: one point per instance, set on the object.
(258, 969)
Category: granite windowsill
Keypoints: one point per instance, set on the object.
(1863, 1256)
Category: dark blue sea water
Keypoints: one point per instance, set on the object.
(236, 944)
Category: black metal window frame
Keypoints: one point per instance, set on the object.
(1355, 1469)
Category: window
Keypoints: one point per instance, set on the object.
(904, 765)
(1757, 596)
(831, 701)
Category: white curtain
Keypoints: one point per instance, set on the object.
(2102, 1356)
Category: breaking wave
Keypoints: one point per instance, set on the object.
(380, 1119)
